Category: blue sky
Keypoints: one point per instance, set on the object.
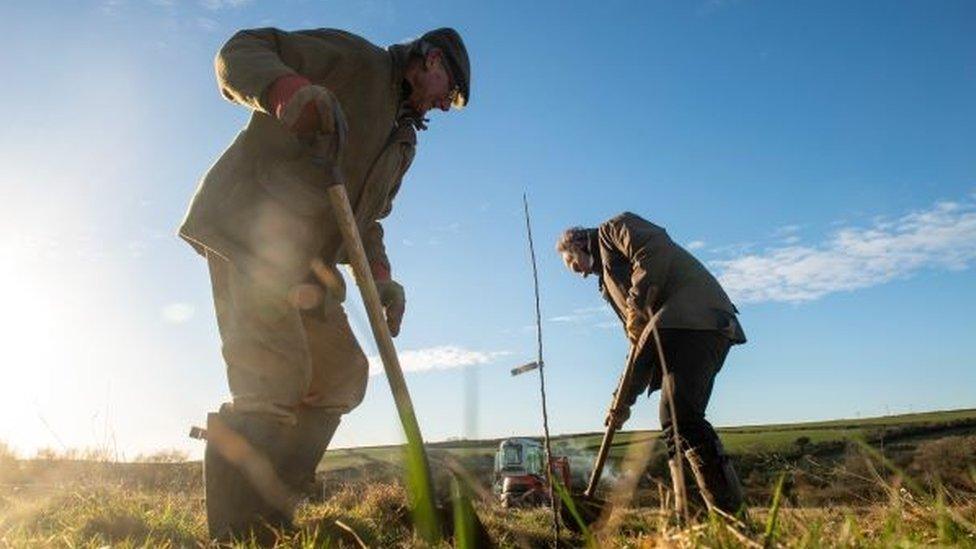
(819, 157)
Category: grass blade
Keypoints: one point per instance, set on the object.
(464, 517)
(770, 532)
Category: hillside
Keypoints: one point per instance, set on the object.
(823, 438)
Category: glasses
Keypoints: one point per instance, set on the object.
(456, 98)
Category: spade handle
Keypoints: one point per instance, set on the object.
(615, 407)
(418, 465)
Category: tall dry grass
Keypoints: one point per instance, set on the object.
(93, 513)
(928, 500)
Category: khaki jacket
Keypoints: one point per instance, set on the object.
(263, 204)
(636, 255)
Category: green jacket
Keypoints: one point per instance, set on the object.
(263, 204)
(635, 255)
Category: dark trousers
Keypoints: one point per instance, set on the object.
(694, 358)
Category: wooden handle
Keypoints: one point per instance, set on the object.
(601, 460)
(618, 399)
(356, 255)
(417, 463)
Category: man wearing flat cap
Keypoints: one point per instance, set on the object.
(262, 219)
(645, 275)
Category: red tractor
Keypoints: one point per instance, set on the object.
(520, 475)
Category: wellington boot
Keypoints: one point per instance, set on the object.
(310, 439)
(716, 478)
(245, 498)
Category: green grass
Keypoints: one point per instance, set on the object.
(93, 516)
(776, 438)
(862, 497)
(97, 516)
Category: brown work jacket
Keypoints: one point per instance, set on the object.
(263, 204)
(636, 255)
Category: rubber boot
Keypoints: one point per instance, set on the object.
(244, 495)
(716, 479)
(311, 438)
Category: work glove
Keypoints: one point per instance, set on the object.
(394, 303)
(636, 321)
(618, 419)
(307, 109)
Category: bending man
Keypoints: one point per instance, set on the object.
(263, 220)
(641, 271)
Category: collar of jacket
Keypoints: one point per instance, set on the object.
(400, 54)
(593, 247)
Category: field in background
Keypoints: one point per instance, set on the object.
(896, 436)
(907, 479)
(775, 438)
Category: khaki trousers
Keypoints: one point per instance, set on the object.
(280, 357)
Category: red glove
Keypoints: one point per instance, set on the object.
(381, 271)
(308, 110)
(280, 93)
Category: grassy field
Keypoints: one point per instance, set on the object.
(898, 481)
(758, 439)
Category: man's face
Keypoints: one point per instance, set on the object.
(433, 86)
(578, 261)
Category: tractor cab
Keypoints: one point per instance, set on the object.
(520, 472)
(520, 456)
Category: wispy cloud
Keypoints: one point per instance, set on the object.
(207, 24)
(215, 5)
(566, 318)
(178, 313)
(112, 7)
(453, 227)
(579, 315)
(444, 357)
(597, 316)
(940, 237)
(729, 250)
(695, 245)
(787, 230)
(788, 234)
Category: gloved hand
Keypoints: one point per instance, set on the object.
(636, 322)
(618, 419)
(305, 108)
(394, 302)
